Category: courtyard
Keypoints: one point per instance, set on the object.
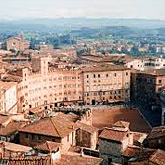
(105, 117)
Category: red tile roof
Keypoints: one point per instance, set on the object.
(114, 135)
(48, 146)
(78, 160)
(158, 157)
(131, 151)
(85, 127)
(157, 132)
(28, 161)
(15, 147)
(56, 126)
(11, 128)
(121, 124)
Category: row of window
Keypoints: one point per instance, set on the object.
(102, 75)
(62, 78)
(99, 93)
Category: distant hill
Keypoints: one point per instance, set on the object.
(76, 23)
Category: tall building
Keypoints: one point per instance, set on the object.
(106, 83)
(45, 85)
(145, 86)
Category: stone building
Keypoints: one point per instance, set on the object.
(59, 129)
(114, 141)
(145, 86)
(56, 129)
(156, 138)
(17, 43)
(44, 85)
(86, 135)
(106, 83)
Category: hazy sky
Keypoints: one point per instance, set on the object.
(150, 9)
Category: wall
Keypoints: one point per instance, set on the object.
(31, 140)
(109, 149)
(111, 86)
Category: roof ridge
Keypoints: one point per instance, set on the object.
(55, 127)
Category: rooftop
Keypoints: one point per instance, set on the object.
(15, 147)
(11, 128)
(155, 72)
(7, 85)
(48, 146)
(56, 126)
(113, 135)
(158, 157)
(85, 127)
(121, 124)
(157, 132)
(104, 68)
(76, 159)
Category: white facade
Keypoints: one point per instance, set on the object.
(8, 97)
(146, 63)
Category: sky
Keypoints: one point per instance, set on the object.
(145, 9)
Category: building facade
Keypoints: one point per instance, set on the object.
(8, 97)
(146, 63)
(106, 84)
(44, 84)
(146, 86)
(17, 43)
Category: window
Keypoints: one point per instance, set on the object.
(160, 81)
(26, 136)
(115, 74)
(94, 76)
(98, 75)
(39, 137)
(87, 76)
(106, 75)
(95, 93)
(68, 138)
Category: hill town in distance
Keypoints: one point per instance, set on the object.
(82, 91)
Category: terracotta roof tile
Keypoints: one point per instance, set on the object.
(85, 127)
(11, 128)
(48, 146)
(15, 147)
(114, 135)
(56, 126)
(158, 157)
(157, 132)
(121, 124)
(78, 160)
(131, 151)
(27, 161)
